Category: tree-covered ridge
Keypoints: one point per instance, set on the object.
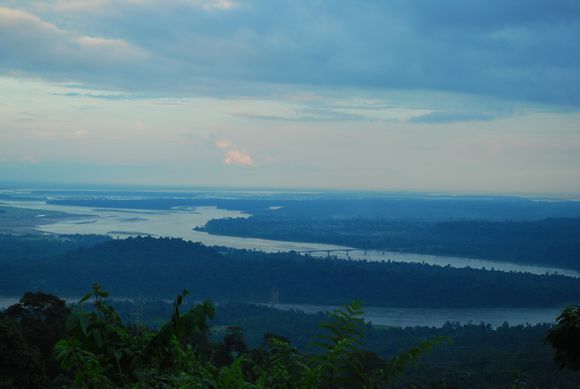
(198, 348)
(35, 246)
(565, 338)
(149, 267)
(99, 350)
(552, 242)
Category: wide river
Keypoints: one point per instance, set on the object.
(179, 223)
(121, 223)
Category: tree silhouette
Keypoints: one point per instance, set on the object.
(565, 338)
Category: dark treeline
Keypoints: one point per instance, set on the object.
(479, 356)
(36, 246)
(15, 220)
(329, 205)
(44, 344)
(474, 356)
(148, 267)
(549, 241)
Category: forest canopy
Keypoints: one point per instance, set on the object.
(150, 267)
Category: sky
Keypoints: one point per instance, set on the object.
(413, 95)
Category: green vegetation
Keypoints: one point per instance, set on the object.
(480, 356)
(28, 333)
(98, 350)
(149, 267)
(44, 343)
(552, 242)
(565, 338)
(245, 345)
(35, 246)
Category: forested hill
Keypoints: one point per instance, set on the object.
(148, 267)
(37, 246)
(46, 344)
(553, 241)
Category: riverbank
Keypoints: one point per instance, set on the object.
(26, 221)
(185, 224)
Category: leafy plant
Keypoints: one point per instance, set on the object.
(564, 338)
(99, 351)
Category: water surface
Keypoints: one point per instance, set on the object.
(436, 317)
(180, 223)
(411, 317)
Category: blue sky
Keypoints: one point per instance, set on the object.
(390, 95)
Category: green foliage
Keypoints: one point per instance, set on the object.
(340, 361)
(285, 363)
(550, 241)
(247, 275)
(564, 337)
(400, 362)
(97, 347)
(164, 347)
(480, 357)
(39, 318)
(99, 351)
(21, 364)
(345, 364)
(102, 352)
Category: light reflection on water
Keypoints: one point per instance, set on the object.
(179, 223)
(436, 317)
(410, 317)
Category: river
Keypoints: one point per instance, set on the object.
(179, 223)
(411, 317)
(121, 223)
(436, 317)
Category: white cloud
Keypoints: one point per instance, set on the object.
(192, 49)
(238, 157)
(233, 154)
(13, 18)
(30, 44)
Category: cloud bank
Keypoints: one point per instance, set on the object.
(519, 50)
